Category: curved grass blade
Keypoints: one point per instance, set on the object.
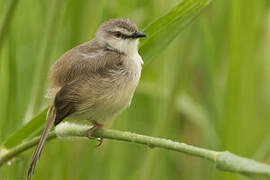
(162, 31)
(25, 131)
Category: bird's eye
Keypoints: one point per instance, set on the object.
(117, 34)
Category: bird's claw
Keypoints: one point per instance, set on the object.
(89, 135)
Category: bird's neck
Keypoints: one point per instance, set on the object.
(128, 48)
(108, 47)
(131, 49)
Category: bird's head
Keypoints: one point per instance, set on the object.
(120, 34)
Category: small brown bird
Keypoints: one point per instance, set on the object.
(96, 80)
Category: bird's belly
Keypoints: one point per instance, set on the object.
(111, 103)
(116, 94)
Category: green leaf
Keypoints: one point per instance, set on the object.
(25, 131)
(162, 31)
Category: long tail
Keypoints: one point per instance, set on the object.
(50, 121)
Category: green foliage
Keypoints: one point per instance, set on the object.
(166, 28)
(221, 62)
(25, 131)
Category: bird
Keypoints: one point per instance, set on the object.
(94, 81)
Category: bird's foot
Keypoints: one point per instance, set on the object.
(92, 129)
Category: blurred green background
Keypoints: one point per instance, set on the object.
(210, 87)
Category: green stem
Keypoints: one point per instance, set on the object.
(6, 155)
(224, 161)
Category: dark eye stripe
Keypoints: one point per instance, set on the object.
(125, 36)
(122, 36)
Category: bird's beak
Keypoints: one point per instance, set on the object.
(138, 35)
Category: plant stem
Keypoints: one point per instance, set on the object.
(224, 161)
(6, 155)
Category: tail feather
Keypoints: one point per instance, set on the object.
(50, 121)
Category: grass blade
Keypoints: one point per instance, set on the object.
(44, 60)
(6, 21)
(163, 30)
(25, 131)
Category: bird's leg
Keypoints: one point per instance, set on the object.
(92, 129)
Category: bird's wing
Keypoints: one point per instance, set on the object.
(88, 59)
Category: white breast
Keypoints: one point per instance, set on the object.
(133, 63)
